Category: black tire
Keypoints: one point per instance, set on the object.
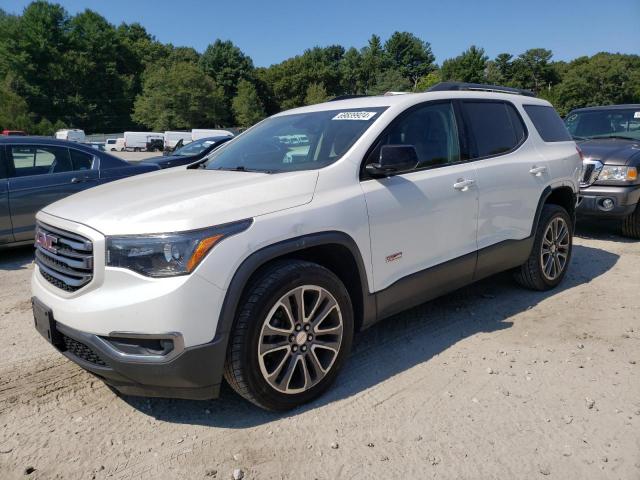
(631, 224)
(531, 274)
(242, 366)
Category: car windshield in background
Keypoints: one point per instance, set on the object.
(614, 123)
(304, 141)
(193, 148)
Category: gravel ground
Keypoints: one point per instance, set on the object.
(491, 381)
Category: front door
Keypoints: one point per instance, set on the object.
(40, 175)
(427, 217)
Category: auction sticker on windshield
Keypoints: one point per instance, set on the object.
(354, 116)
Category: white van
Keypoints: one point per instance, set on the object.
(198, 133)
(172, 138)
(110, 144)
(137, 141)
(71, 134)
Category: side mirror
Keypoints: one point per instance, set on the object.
(394, 159)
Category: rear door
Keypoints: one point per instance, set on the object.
(511, 173)
(6, 230)
(40, 175)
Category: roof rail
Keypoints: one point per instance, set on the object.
(345, 97)
(480, 87)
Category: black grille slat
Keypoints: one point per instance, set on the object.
(82, 351)
(66, 261)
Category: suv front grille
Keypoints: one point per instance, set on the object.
(82, 351)
(65, 259)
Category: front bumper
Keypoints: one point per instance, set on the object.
(625, 199)
(193, 373)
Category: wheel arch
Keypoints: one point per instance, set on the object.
(563, 196)
(333, 250)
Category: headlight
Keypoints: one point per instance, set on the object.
(612, 173)
(167, 254)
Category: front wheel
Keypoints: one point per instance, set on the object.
(551, 252)
(293, 333)
(631, 224)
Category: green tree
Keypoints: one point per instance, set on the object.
(227, 65)
(179, 96)
(469, 66)
(14, 111)
(410, 56)
(351, 72)
(534, 70)
(33, 50)
(603, 79)
(316, 93)
(390, 81)
(503, 65)
(372, 63)
(98, 98)
(247, 106)
(428, 81)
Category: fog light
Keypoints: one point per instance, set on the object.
(607, 204)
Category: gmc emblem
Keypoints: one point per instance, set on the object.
(46, 241)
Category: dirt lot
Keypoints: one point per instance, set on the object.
(491, 381)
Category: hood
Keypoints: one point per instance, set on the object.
(169, 158)
(184, 199)
(610, 151)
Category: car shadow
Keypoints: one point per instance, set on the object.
(17, 258)
(601, 229)
(395, 344)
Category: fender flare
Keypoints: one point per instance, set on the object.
(257, 259)
(546, 193)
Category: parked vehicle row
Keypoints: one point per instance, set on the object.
(260, 263)
(156, 141)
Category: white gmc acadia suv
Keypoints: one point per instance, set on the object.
(259, 264)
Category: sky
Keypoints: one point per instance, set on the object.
(271, 31)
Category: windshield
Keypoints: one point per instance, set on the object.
(604, 123)
(194, 148)
(303, 141)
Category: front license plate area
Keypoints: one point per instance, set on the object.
(45, 324)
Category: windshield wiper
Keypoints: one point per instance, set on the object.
(242, 168)
(623, 137)
(578, 137)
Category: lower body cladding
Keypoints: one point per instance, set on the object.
(608, 201)
(137, 364)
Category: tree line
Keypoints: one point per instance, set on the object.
(59, 70)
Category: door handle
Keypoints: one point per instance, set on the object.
(76, 180)
(463, 185)
(537, 171)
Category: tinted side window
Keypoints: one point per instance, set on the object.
(3, 164)
(548, 123)
(80, 160)
(431, 129)
(39, 160)
(496, 127)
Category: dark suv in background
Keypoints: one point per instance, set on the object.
(609, 138)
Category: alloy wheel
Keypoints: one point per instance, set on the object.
(556, 243)
(300, 339)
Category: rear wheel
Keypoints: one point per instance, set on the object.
(293, 333)
(631, 224)
(551, 252)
